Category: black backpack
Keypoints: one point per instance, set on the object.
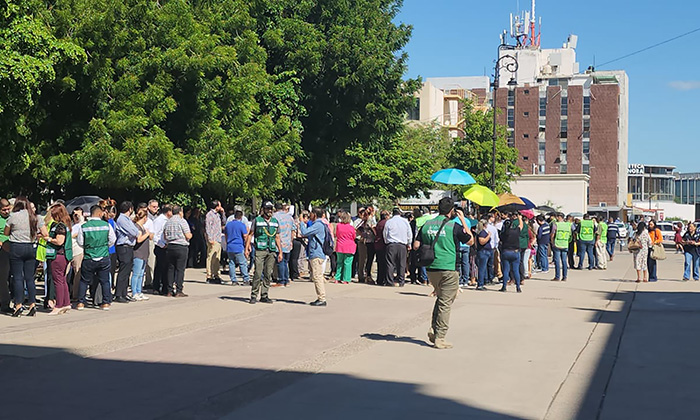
(327, 244)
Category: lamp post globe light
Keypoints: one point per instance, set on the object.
(510, 63)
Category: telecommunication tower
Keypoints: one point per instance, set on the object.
(522, 28)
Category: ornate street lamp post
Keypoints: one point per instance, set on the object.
(510, 63)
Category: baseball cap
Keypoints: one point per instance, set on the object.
(267, 204)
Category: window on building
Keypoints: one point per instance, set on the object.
(586, 150)
(511, 98)
(541, 148)
(511, 138)
(586, 105)
(541, 169)
(553, 82)
(526, 91)
(564, 129)
(526, 114)
(526, 158)
(563, 146)
(526, 136)
(586, 128)
(511, 118)
(563, 168)
(586, 169)
(564, 105)
(414, 111)
(543, 107)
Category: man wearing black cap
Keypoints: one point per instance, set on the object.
(264, 236)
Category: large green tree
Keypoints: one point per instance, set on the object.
(473, 153)
(349, 57)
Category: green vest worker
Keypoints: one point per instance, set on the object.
(603, 232)
(562, 237)
(587, 230)
(443, 272)
(264, 236)
(96, 236)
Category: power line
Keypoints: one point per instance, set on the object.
(651, 46)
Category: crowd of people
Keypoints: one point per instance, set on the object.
(114, 253)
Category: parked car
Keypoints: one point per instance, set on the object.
(622, 229)
(667, 232)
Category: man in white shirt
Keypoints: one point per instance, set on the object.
(495, 264)
(397, 237)
(160, 270)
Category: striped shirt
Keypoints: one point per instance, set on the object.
(175, 230)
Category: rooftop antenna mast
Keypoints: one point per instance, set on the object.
(523, 28)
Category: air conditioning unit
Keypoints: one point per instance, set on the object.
(602, 204)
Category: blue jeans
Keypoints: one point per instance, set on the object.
(542, 258)
(587, 248)
(483, 256)
(138, 270)
(464, 266)
(560, 263)
(692, 260)
(511, 266)
(423, 273)
(283, 269)
(238, 259)
(23, 266)
(651, 263)
(610, 246)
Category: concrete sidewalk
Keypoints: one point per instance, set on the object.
(593, 347)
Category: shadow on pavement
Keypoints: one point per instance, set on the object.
(65, 385)
(397, 338)
(649, 367)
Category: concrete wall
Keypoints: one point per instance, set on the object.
(565, 190)
(431, 104)
(669, 208)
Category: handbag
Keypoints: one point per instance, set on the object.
(658, 252)
(426, 253)
(634, 245)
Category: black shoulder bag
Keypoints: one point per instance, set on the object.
(426, 253)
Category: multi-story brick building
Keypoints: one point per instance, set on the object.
(566, 122)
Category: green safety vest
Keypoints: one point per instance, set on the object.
(587, 230)
(41, 248)
(603, 227)
(95, 239)
(51, 249)
(420, 221)
(563, 236)
(445, 249)
(265, 233)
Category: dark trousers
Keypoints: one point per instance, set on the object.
(651, 265)
(4, 278)
(370, 260)
(177, 262)
(125, 256)
(294, 260)
(57, 268)
(160, 271)
(23, 266)
(283, 269)
(381, 266)
(484, 262)
(510, 260)
(395, 261)
(114, 263)
(570, 255)
(586, 248)
(95, 272)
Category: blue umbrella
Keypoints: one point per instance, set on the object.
(453, 177)
(528, 204)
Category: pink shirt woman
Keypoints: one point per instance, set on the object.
(345, 248)
(345, 236)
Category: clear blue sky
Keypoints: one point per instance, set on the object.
(460, 37)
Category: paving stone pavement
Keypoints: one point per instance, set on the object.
(598, 346)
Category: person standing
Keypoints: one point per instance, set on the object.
(586, 242)
(141, 253)
(367, 234)
(613, 234)
(510, 251)
(287, 228)
(397, 237)
(160, 268)
(445, 236)
(345, 248)
(22, 228)
(562, 238)
(153, 207)
(127, 232)
(484, 254)
(464, 250)
(265, 239)
(5, 209)
(177, 235)
(656, 239)
(236, 233)
(641, 255)
(690, 242)
(316, 233)
(96, 237)
(59, 253)
(380, 248)
(213, 229)
(77, 262)
(543, 240)
(495, 262)
(601, 245)
(575, 223)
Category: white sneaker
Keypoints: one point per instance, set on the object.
(136, 297)
(143, 297)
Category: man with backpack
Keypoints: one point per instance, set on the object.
(264, 236)
(320, 246)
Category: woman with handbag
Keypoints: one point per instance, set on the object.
(639, 246)
(656, 242)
